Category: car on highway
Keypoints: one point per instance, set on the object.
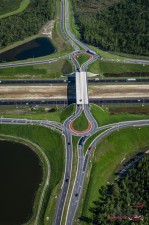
(67, 179)
(82, 140)
(68, 143)
(90, 148)
(76, 194)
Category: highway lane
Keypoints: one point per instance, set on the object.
(28, 102)
(66, 180)
(2, 66)
(61, 81)
(33, 82)
(51, 124)
(131, 61)
(75, 194)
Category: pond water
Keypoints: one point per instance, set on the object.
(32, 49)
(20, 175)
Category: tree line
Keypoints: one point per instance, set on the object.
(126, 198)
(121, 27)
(26, 23)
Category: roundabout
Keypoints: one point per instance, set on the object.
(80, 132)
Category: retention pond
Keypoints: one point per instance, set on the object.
(32, 49)
(20, 175)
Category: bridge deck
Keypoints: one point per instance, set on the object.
(81, 88)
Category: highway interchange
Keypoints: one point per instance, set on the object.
(65, 127)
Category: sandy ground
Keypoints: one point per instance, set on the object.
(47, 29)
(60, 92)
(118, 91)
(33, 92)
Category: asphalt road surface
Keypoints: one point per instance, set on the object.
(27, 102)
(60, 81)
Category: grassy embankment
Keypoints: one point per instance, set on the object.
(108, 156)
(103, 117)
(46, 71)
(52, 144)
(116, 69)
(82, 58)
(13, 7)
(38, 113)
(81, 123)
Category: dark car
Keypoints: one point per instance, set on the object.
(68, 143)
(67, 179)
(76, 194)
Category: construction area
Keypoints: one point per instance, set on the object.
(60, 92)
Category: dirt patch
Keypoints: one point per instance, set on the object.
(119, 91)
(33, 92)
(47, 29)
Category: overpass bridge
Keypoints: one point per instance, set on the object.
(81, 88)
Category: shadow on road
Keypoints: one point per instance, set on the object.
(71, 89)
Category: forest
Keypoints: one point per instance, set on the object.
(118, 27)
(29, 22)
(128, 199)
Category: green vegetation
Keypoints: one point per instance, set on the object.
(120, 198)
(67, 112)
(81, 123)
(108, 155)
(9, 7)
(73, 25)
(38, 113)
(26, 23)
(46, 71)
(118, 26)
(50, 142)
(118, 69)
(90, 139)
(82, 58)
(62, 46)
(103, 117)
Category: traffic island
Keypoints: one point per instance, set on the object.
(80, 125)
(82, 57)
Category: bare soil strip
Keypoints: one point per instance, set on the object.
(60, 92)
(118, 91)
(33, 92)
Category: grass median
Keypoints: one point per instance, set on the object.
(82, 58)
(80, 123)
